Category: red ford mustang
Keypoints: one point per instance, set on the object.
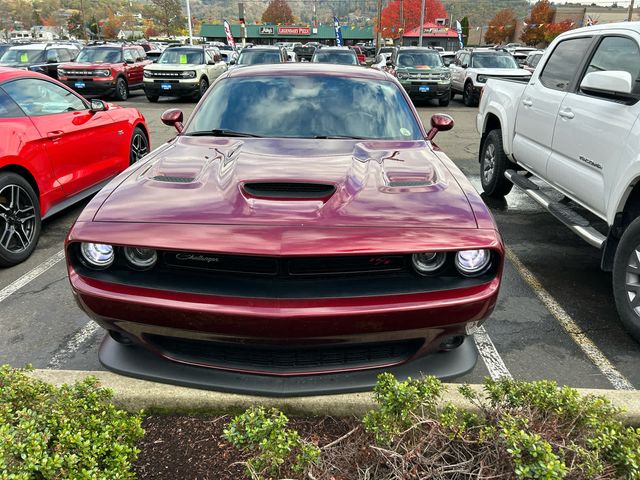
(300, 234)
(55, 149)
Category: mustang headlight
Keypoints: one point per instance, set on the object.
(472, 262)
(141, 258)
(147, 74)
(428, 262)
(102, 73)
(403, 75)
(482, 79)
(97, 255)
(189, 74)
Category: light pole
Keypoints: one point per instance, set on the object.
(421, 23)
(630, 16)
(189, 22)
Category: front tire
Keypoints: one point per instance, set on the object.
(493, 164)
(444, 102)
(139, 145)
(152, 98)
(202, 88)
(19, 219)
(122, 90)
(626, 279)
(467, 95)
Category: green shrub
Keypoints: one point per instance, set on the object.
(264, 434)
(71, 432)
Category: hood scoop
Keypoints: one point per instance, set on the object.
(289, 190)
(173, 179)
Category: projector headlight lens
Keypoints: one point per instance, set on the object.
(141, 258)
(97, 255)
(472, 262)
(428, 262)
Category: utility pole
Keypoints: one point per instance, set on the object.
(84, 25)
(379, 33)
(401, 20)
(630, 11)
(421, 24)
(189, 23)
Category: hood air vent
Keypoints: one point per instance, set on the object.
(293, 190)
(164, 178)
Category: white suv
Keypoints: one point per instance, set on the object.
(184, 71)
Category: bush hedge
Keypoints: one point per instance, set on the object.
(69, 432)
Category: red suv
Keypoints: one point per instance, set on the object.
(106, 69)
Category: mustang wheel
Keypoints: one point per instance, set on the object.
(493, 164)
(204, 86)
(19, 219)
(626, 279)
(467, 95)
(139, 145)
(122, 91)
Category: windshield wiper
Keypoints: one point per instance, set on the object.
(340, 136)
(222, 132)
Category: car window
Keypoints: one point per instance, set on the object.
(17, 55)
(64, 55)
(493, 60)
(39, 97)
(208, 54)
(253, 57)
(563, 63)
(128, 55)
(419, 59)
(307, 107)
(617, 53)
(97, 55)
(52, 55)
(337, 57)
(8, 108)
(181, 56)
(142, 53)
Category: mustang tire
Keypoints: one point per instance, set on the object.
(19, 219)
(493, 164)
(122, 90)
(626, 279)
(139, 145)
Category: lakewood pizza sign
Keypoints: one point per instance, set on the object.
(294, 31)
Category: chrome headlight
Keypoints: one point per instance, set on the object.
(445, 75)
(472, 262)
(141, 258)
(428, 262)
(102, 73)
(403, 75)
(147, 74)
(97, 255)
(189, 74)
(481, 79)
(62, 72)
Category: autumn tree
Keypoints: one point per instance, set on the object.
(111, 27)
(167, 14)
(391, 24)
(501, 27)
(554, 29)
(75, 26)
(278, 11)
(535, 24)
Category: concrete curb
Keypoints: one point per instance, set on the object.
(133, 395)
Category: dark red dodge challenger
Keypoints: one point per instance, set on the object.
(301, 234)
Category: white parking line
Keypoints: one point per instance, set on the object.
(30, 276)
(593, 353)
(490, 356)
(73, 345)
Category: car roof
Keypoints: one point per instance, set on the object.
(335, 49)
(263, 47)
(308, 68)
(31, 46)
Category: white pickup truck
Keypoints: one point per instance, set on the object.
(574, 125)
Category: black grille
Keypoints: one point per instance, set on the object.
(164, 178)
(286, 358)
(289, 190)
(164, 74)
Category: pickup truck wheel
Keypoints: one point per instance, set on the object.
(467, 95)
(626, 279)
(493, 164)
(122, 91)
(19, 219)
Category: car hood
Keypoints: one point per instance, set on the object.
(502, 72)
(291, 182)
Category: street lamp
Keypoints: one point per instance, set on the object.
(189, 22)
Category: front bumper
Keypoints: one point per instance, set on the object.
(171, 88)
(414, 87)
(91, 86)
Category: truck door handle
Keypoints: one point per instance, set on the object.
(527, 103)
(55, 135)
(568, 114)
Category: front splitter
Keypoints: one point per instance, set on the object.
(138, 362)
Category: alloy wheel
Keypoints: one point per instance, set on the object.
(17, 219)
(488, 162)
(633, 280)
(139, 147)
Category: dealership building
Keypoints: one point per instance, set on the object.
(270, 34)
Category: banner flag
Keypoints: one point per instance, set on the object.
(227, 30)
(336, 25)
(459, 30)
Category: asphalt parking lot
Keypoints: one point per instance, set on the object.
(555, 319)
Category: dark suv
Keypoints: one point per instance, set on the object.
(39, 57)
(106, 69)
(260, 55)
(422, 73)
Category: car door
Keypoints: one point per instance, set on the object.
(590, 138)
(540, 103)
(129, 57)
(82, 145)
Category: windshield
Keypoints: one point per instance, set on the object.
(100, 55)
(22, 56)
(493, 60)
(419, 60)
(307, 107)
(255, 57)
(181, 56)
(343, 58)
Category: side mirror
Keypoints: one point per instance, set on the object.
(232, 62)
(464, 65)
(439, 123)
(53, 60)
(129, 60)
(211, 62)
(389, 63)
(98, 106)
(173, 118)
(611, 82)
